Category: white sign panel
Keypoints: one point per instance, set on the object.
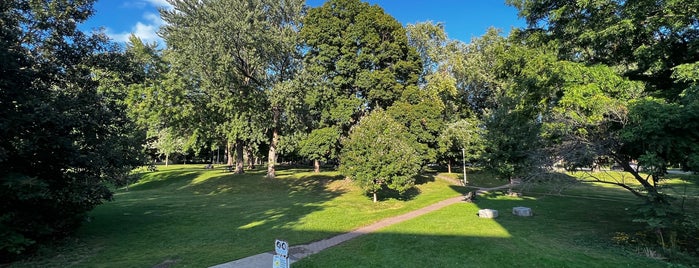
(280, 262)
(281, 247)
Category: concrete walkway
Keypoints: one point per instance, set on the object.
(301, 251)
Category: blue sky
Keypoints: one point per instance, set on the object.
(463, 19)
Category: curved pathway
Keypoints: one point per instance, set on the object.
(301, 251)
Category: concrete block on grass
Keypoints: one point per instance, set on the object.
(488, 213)
(522, 211)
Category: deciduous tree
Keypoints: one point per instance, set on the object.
(63, 138)
(378, 153)
(358, 58)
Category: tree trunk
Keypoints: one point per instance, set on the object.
(239, 156)
(449, 166)
(375, 198)
(251, 158)
(167, 159)
(272, 155)
(229, 154)
(316, 166)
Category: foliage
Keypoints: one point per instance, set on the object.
(630, 98)
(644, 39)
(357, 59)
(422, 114)
(168, 143)
(378, 154)
(465, 137)
(321, 144)
(64, 137)
(233, 60)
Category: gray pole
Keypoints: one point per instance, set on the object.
(463, 160)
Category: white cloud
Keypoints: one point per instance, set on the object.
(147, 30)
(160, 3)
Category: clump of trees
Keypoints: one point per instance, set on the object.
(64, 137)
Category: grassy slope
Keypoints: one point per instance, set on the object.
(198, 217)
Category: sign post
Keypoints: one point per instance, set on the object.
(281, 254)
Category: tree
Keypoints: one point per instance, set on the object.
(230, 46)
(430, 41)
(378, 154)
(168, 143)
(357, 59)
(515, 100)
(63, 137)
(478, 68)
(284, 96)
(463, 138)
(643, 39)
(626, 49)
(320, 145)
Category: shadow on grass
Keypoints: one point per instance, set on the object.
(203, 218)
(160, 179)
(385, 193)
(161, 217)
(564, 232)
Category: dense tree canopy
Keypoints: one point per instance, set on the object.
(63, 137)
(232, 58)
(360, 59)
(645, 39)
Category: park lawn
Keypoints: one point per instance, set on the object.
(565, 232)
(194, 217)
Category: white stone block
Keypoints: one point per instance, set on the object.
(488, 213)
(522, 211)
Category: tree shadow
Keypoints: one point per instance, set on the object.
(194, 212)
(191, 223)
(563, 232)
(159, 179)
(386, 194)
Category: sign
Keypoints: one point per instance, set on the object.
(280, 262)
(281, 254)
(281, 247)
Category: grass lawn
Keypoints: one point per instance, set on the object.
(565, 232)
(191, 217)
(572, 227)
(196, 217)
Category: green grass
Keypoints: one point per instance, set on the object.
(194, 217)
(197, 217)
(573, 226)
(565, 232)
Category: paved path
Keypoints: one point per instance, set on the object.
(301, 251)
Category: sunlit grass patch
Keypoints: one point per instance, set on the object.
(563, 233)
(201, 217)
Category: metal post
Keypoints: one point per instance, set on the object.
(463, 159)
